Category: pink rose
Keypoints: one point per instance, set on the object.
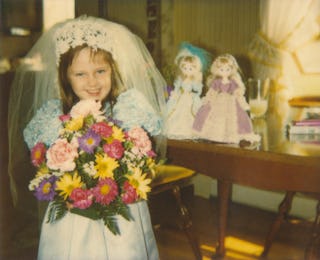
(85, 108)
(102, 128)
(114, 150)
(61, 155)
(141, 141)
(82, 199)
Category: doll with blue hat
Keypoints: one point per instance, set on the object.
(185, 99)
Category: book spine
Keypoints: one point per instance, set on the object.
(304, 129)
(307, 122)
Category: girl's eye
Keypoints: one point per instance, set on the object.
(101, 71)
(79, 74)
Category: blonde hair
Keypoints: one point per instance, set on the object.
(189, 59)
(229, 60)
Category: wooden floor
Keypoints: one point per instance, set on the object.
(245, 235)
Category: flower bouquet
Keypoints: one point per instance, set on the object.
(94, 168)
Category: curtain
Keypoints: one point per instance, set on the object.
(286, 47)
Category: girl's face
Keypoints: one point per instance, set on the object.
(224, 70)
(90, 76)
(189, 68)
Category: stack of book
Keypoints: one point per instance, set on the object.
(305, 126)
(306, 130)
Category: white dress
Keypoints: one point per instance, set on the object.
(183, 104)
(74, 237)
(78, 238)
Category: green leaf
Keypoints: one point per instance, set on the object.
(89, 120)
(119, 178)
(57, 211)
(100, 150)
(111, 224)
(91, 213)
(124, 211)
(87, 179)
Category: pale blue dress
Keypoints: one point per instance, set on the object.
(75, 237)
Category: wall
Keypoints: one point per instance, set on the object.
(130, 13)
(218, 26)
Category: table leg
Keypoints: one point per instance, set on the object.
(283, 211)
(187, 223)
(224, 191)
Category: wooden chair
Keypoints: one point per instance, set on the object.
(305, 101)
(312, 252)
(172, 179)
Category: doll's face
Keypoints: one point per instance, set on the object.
(90, 76)
(224, 70)
(189, 68)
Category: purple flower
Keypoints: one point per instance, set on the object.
(89, 141)
(115, 121)
(46, 189)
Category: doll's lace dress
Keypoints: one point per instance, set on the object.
(182, 108)
(225, 120)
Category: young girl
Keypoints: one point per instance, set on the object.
(222, 116)
(98, 60)
(184, 100)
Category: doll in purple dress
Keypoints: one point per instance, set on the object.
(223, 115)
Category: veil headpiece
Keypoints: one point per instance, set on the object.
(36, 79)
(80, 31)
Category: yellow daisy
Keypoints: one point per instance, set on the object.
(42, 171)
(75, 124)
(118, 133)
(139, 181)
(105, 166)
(67, 183)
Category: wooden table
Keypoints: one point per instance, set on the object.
(275, 164)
